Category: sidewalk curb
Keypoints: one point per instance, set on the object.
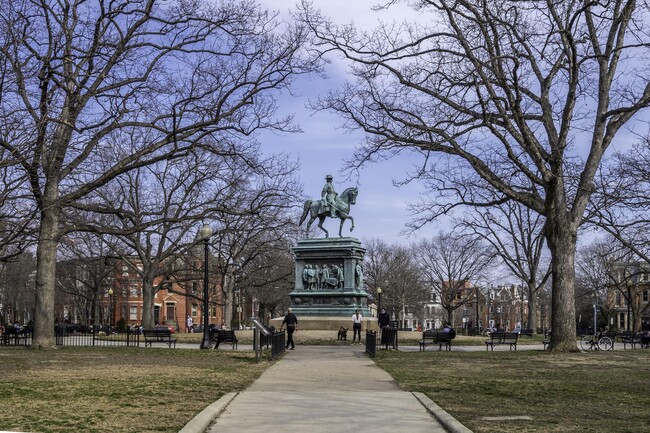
(200, 422)
(448, 422)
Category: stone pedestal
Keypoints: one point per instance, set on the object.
(329, 278)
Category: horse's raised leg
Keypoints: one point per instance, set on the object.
(321, 220)
(344, 217)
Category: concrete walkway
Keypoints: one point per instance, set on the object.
(324, 389)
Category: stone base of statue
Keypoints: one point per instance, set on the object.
(329, 280)
(313, 323)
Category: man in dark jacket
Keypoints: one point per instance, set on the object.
(383, 317)
(292, 325)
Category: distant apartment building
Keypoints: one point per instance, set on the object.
(627, 302)
(473, 308)
(109, 291)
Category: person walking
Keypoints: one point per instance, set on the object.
(357, 319)
(292, 325)
(189, 322)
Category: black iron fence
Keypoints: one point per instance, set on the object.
(16, 337)
(97, 337)
(277, 345)
(371, 343)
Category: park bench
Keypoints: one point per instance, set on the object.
(434, 337)
(547, 339)
(15, 337)
(497, 338)
(631, 338)
(644, 341)
(223, 336)
(158, 336)
(527, 332)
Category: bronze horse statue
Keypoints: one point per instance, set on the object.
(343, 202)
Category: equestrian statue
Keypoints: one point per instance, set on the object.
(330, 205)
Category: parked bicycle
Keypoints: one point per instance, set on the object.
(596, 342)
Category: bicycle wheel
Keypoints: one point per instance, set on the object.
(605, 343)
(586, 343)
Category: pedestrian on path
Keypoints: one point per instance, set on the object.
(189, 322)
(357, 318)
(292, 325)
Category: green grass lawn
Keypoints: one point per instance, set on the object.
(133, 390)
(118, 390)
(596, 392)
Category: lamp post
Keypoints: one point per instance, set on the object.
(478, 330)
(379, 299)
(489, 299)
(239, 309)
(205, 233)
(110, 307)
(595, 304)
(629, 286)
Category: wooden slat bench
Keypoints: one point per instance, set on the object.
(434, 337)
(158, 336)
(223, 336)
(631, 338)
(498, 338)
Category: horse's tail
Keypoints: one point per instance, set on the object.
(305, 212)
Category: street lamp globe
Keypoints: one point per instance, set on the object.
(110, 307)
(206, 232)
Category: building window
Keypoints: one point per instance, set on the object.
(621, 320)
(125, 271)
(213, 311)
(133, 312)
(195, 286)
(194, 310)
(645, 296)
(134, 291)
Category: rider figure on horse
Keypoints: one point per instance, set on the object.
(329, 197)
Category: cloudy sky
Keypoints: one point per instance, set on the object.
(381, 209)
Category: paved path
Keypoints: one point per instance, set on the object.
(326, 389)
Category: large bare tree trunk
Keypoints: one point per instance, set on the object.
(147, 304)
(532, 307)
(45, 280)
(561, 237)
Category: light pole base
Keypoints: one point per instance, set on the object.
(206, 343)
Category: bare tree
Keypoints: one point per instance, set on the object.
(17, 212)
(522, 98)
(620, 203)
(248, 239)
(93, 90)
(450, 263)
(394, 268)
(17, 289)
(597, 274)
(516, 234)
(86, 270)
(269, 275)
